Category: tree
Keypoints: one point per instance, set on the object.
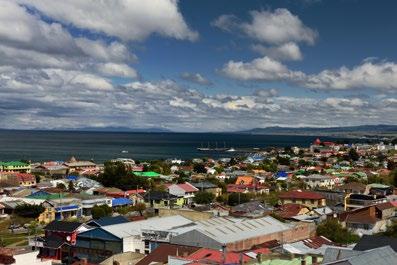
(353, 155)
(71, 186)
(203, 197)
(140, 207)
(61, 186)
(199, 168)
(99, 211)
(391, 230)
(238, 198)
(393, 177)
(333, 230)
(29, 211)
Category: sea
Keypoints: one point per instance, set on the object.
(38, 146)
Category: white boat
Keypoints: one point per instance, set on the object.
(231, 150)
(124, 152)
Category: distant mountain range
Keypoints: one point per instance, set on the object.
(362, 130)
(107, 129)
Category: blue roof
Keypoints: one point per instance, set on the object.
(67, 208)
(281, 174)
(108, 220)
(121, 201)
(97, 233)
(74, 178)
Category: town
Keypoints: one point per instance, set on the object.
(329, 203)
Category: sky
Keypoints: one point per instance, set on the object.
(197, 66)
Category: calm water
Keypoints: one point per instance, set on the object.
(102, 146)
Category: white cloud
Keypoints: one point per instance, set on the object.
(260, 69)
(278, 27)
(226, 22)
(287, 51)
(120, 70)
(196, 78)
(125, 19)
(369, 74)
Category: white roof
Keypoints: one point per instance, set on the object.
(229, 231)
(169, 223)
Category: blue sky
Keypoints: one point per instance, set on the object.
(197, 65)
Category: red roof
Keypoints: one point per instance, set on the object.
(289, 210)
(206, 254)
(25, 177)
(187, 187)
(299, 194)
(317, 241)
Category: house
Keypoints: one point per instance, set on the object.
(74, 165)
(314, 245)
(355, 201)
(108, 220)
(208, 187)
(186, 190)
(15, 166)
(88, 201)
(368, 242)
(51, 168)
(290, 210)
(253, 209)
(56, 234)
(138, 236)
(163, 199)
(24, 179)
(60, 209)
(368, 220)
(352, 187)
(318, 181)
(379, 256)
(309, 199)
(162, 253)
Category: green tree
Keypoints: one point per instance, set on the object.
(99, 211)
(139, 207)
(333, 230)
(199, 168)
(393, 177)
(203, 197)
(61, 186)
(29, 211)
(238, 198)
(353, 155)
(71, 186)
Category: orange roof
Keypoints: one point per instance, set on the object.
(245, 180)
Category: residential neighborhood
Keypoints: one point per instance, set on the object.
(276, 206)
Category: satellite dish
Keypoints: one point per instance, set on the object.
(68, 238)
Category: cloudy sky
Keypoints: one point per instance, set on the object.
(197, 65)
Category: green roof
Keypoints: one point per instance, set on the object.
(46, 196)
(13, 164)
(148, 174)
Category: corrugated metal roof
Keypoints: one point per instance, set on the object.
(246, 228)
(157, 224)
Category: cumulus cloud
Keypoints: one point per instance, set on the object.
(196, 78)
(286, 52)
(118, 70)
(54, 98)
(260, 69)
(278, 27)
(125, 19)
(369, 74)
(278, 32)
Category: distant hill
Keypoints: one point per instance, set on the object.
(106, 129)
(362, 130)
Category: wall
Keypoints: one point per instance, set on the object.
(299, 232)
